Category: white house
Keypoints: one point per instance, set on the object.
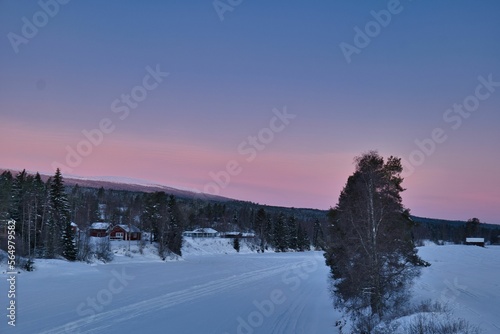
(201, 233)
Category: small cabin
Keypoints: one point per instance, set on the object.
(100, 230)
(201, 233)
(475, 241)
(125, 232)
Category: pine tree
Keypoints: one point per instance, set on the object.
(279, 234)
(68, 248)
(472, 228)
(303, 242)
(236, 244)
(175, 226)
(260, 225)
(318, 238)
(291, 233)
(5, 195)
(371, 253)
(155, 218)
(59, 220)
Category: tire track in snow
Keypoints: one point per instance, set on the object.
(103, 320)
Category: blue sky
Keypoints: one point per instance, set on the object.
(226, 77)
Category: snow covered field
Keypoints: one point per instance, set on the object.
(239, 293)
(466, 279)
(229, 293)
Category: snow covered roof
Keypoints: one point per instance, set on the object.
(133, 229)
(474, 239)
(203, 230)
(100, 226)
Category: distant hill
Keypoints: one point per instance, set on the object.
(115, 183)
(454, 223)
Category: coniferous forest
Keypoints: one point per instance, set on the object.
(53, 219)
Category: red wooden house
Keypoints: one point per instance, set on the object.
(125, 232)
(100, 229)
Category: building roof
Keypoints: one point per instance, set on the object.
(474, 239)
(100, 226)
(203, 230)
(132, 229)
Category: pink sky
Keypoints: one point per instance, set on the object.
(226, 78)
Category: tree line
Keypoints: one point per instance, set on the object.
(44, 210)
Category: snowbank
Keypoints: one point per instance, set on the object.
(212, 246)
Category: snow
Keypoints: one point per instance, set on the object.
(239, 293)
(206, 230)
(100, 226)
(127, 180)
(214, 289)
(474, 239)
(211, 246)
(466, 279)
(133, 228)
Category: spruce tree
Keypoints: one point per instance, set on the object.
(59, 220)
(318, 238)
(291, 232)
(68, 247)
(279, 234)
(5, 195)
(175, 226)
(303, 242)
(260, 225)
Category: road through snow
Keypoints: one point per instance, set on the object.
(243, 293)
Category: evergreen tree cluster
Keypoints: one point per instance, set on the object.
(281, 233)
(440, 231)
(42, 214)
(161, 216)
(45, 207)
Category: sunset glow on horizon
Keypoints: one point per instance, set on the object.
(264, 105)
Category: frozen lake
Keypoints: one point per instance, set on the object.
(240, 293)
(271, 293)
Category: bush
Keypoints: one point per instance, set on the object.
(236, 244)
(103, 250)
(434, 318)
(431, 323)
